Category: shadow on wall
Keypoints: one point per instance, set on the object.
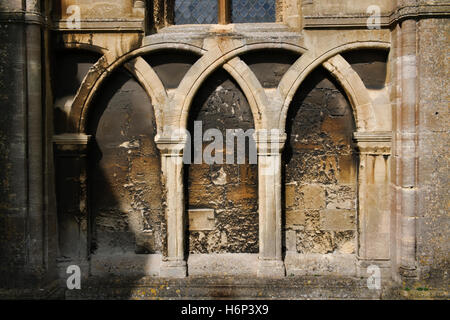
(370, 65)
(67, 75)
(123, 226)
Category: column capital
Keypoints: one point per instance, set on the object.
(171, 145)
(74, 144)
(373, 143)
(269, 141)
(71, 139)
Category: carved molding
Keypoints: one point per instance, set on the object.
(373, 143)
(171, 145)
(376, 136)
(71, 139)
(387, 19)
(269, 142)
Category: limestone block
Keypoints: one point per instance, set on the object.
(347, 169)
(337, 220)
(201, 219)
(226, 264)
(241, 194)
(291, 241)
(290, 195)
(341, 197)
(295, 218)
(313, 197)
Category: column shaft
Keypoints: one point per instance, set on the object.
(270, 210)
(408, 142)
(174, 263)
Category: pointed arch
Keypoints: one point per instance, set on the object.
(342, 71)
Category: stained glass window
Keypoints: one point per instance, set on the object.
(195, 11)
(244, 11)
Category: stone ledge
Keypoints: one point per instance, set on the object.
(225, 264)
(226, 288)
(52, 291)
(251, 32)
(313, 264)
(387, 19)
(112, 25)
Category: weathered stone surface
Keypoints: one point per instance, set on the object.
(126, 192)
(295, 218)
(201, 219)
(269, 67)
(364, 173)
(341, 197)
(225, 264)
(290, 194)
(229, 189)
(320, 264)
(337, 220)
(313, 197)
(433, 214)
(171, 66)
(319, 158)
(325, 241)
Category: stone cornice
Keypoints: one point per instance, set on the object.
(107, 25)
(421, 11)
(387, 19)
(22, 17)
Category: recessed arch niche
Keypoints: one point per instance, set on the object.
(320, 178)
(126, 195)
(230, 190)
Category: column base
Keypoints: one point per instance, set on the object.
(271, 269)
(173, 269)
(408, 273)
(362, 266)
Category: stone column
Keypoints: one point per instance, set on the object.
(407, 144)
(269, 146)
(174, 262)
(74, 223)
(374, 200)
(26, 246)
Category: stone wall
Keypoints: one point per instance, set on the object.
(12, 141)
(229, 189)
(126, 194)
(320, 170)
(433, 219)
(356, 175)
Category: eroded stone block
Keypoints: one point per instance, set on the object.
(290, 194)
(337, 220)
(341, 197)
(291, 241)
(201, 219)
(295, 218)
(313, 196)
